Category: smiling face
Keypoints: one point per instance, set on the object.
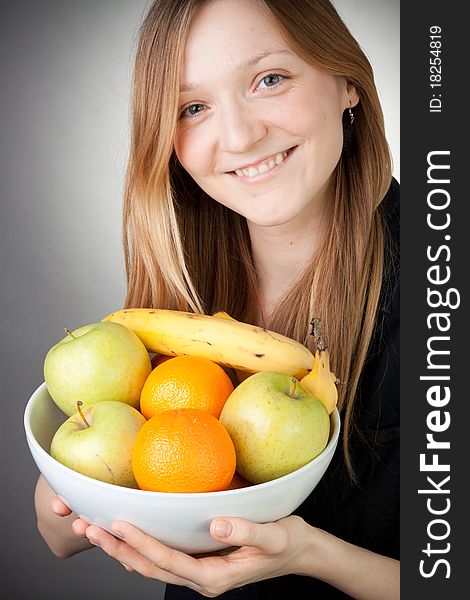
(260, 130)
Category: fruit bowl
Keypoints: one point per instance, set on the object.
(179, 520)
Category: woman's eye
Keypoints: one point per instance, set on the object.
(270, 80)
(192, 110)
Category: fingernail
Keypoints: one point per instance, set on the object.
(126, 567)
(93, 541)
(117, 532)
(223, 528)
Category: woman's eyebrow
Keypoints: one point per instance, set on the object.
(246, 64)
(251, 62)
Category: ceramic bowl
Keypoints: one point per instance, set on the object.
(178, 520)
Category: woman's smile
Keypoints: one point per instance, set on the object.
(264, 168)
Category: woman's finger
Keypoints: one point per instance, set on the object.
(59, 507)
(79, 527)
(165, 558)
(131, 558)
(238, 532)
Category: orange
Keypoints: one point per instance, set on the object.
(185, 382)
(186, 450)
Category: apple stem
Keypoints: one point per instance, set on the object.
(292, 387)
(68, 332)
(80, 403)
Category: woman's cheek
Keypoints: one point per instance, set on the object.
(193, 152)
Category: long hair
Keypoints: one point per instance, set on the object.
(186, 251)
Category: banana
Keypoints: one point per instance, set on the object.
(321, 382)
(223, 315)
(220, 338)
(240, 375)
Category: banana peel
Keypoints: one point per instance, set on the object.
(240, 375)
(225, 340)
(321, 382)
(223, 315)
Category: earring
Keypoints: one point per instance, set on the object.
(351, 116)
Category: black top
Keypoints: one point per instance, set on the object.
(365, 514)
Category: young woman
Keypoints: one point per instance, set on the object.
(259, 183)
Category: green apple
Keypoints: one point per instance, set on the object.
(101, 361)
(276, 426)
(97, 441)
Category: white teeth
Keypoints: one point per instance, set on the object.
(263, 168)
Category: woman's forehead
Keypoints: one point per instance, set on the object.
(234, 33)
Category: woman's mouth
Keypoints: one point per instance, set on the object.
(265, 166)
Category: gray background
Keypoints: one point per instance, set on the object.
(65, 76)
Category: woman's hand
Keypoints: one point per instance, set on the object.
(56, 523)
(60, 509)
(256, 552)
(263, 551)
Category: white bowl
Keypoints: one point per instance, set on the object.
(178, 520)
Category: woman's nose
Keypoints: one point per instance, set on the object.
(240, 127)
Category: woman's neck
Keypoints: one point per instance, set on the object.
(281, 254)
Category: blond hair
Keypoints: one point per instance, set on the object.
(186, 251)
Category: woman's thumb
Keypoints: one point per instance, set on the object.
(239, 532)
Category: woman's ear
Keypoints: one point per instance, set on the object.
(352, 96)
